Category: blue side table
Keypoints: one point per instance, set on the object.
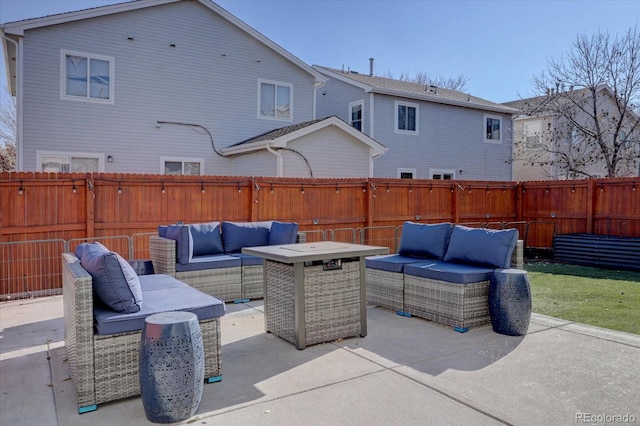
(171, 369)
(510, 302)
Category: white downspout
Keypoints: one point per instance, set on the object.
(280, 166)
(19, 147)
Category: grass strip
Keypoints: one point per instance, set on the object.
(605, 298)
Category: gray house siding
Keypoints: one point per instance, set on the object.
(448, 138)
(209, 78)
(257, 164)
(334, 99)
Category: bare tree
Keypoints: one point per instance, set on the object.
(458, 83)
(591, 98)
(8, 131)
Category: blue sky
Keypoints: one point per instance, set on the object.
(499, 45)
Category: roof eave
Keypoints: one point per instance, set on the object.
(445, 101)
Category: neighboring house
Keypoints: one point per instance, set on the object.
(552, 136)
(431, 132)
(168, 86)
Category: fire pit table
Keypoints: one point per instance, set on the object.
(315, 292)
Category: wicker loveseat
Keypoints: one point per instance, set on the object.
(102, 344)
(442, 272)
(207, 256)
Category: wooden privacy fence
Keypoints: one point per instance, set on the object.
(76, 206)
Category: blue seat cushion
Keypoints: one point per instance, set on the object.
(215, 261)
(450, 272)
(236, 235)
(482, 247)
(162, 293)
(282, 233)
(425, 240)
(390, 262)
(249, 259)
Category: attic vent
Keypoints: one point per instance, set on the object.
(431, 89)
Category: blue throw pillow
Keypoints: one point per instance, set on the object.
(425, 240)
(206, 238)
(115, 282)
(283, 233)
(236, 235)
(484, 247)
(184, 243)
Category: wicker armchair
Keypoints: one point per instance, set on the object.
(105, 367)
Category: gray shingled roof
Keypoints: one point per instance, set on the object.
(416, 90)
(277, 133)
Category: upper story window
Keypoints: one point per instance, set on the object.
(406, 118)
(493, 129)
(86, 77)
(355, 114)
(182, 166)
(533, 135)
(69, 162)
(275, 100)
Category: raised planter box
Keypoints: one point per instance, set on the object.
(598, 250)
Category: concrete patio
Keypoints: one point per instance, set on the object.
(406, 371)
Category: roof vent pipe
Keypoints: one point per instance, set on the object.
(370, 67)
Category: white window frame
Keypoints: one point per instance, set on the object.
(164, 159)
(350, 115)
(402, 170)
(40, 154)
(88, 98)
(259, 96)
(442, 172)
(532, 129)
(396, 104)
(484, 128)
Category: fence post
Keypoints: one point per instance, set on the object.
(454, 204)
(368, 201)
(590, 207)
(91, 204)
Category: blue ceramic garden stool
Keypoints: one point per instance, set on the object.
(171, 366)
(510, 302)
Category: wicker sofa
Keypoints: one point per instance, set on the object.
(102, 344)
(442, 272)
(207, 256)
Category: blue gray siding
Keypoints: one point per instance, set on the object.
(334, 99)
(209, 78)
(449, 138)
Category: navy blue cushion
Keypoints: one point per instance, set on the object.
(206, 238)
(390, 262)
(215, 261)
(184, 243)
(162, 293)
(425, 240)
(283, 233)
(485, 247)
(236, 235)
(450, 272)
(249, 259)
(115, 283)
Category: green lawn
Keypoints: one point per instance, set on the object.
(601, 297)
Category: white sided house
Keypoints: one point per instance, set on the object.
(168, 86)
(430, 132)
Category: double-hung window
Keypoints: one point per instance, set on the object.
(86, 77)
(533, 135)
(493, 129)
(355, 114)
(275, 100)
(406, 118)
